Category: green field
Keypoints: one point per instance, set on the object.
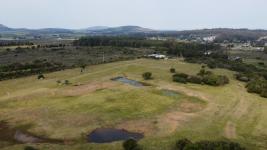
(70, 112)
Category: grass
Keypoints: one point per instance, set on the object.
(71, 112)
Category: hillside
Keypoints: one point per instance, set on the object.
(163, 112)
(221, 34)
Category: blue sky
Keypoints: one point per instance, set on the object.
(156, 14)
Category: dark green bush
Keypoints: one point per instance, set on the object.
(257, 86)
(185, 144)
(181, 144)
(215, 80)
(147, 75)
(181, 78)
(172, 70)
(131, 144)
(264, 93)
(181, 75)
(194, 79)
(40, 76)
(29, 148)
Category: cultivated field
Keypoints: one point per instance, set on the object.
(50, 109)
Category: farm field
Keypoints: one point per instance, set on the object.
(51, 109)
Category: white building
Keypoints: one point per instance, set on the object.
(157, 56)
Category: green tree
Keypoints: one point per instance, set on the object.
(147, 75)
(131, 144)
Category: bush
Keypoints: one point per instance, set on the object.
(257, 86)
(215, 80)
(181, 78)
(181, 144)
(195, 79)
(40, 76)
(185, 144)
(131, 144)
(261, 63)
(172, 70)
(182, 75)
(29, 148)
(147, 75)
(66, 82)
(264, 93)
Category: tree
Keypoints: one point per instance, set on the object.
(40, 76)
(172, 70)
(131, 144)
(66, 82)
(181, 144)
(29, 148)
(147, 75)
(265, 49)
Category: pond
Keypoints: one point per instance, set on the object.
(170, 93)
(107, 135)
(129, 81)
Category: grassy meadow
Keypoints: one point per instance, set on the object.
(51, 109)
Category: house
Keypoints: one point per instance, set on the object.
(208, 53)
(157, 56)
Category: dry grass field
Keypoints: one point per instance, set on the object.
(51, 109)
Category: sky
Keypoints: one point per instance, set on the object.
(155, 14)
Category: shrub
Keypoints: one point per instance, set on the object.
(215, 80)
(257, 85)
(195, 79)
(264, 93)
(147, 75)
(172, 70)
(261, 63)
(181, 144)
(29, 148)
(131, 144)
(66, 82)
(40, 76)
(180, 77)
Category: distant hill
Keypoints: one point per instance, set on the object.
(4, 28)
(221, 34)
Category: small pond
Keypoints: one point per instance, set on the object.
(129, 81)
(107, 135)
(170, 93)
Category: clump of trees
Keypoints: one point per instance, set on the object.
(258, 86)
(203, 77)
(255, 77)
(147, 75)
(185, 144)
(131, 144)
(17, 70)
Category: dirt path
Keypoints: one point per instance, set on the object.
(230, 130)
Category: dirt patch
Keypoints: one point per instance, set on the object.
(169, 122)
(87, 88)
(16, 136)
(189, 107)
(162, 125)
(144, 126)
(230, 130)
